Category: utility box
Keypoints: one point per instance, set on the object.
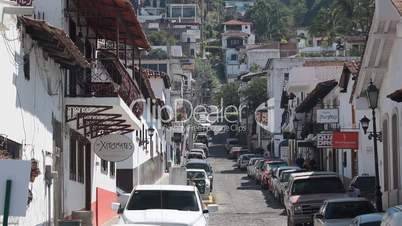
(178, 175)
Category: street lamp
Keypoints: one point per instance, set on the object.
(151, 132)
(372, 93)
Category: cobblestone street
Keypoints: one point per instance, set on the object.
(240, 200)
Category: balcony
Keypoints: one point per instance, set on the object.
(102, 100)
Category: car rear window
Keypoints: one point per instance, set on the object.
(377, 223)
(317, 185)
(195, 175)
(338, 210)
(365, 184)
(195, 156)
(233, 142)
(154, 199)
(276, 165)
(198, 166)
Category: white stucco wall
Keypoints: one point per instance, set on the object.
(27, 111)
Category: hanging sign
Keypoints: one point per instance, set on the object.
(345, 140)
(327, 115)
(324, 140)
(113, 147)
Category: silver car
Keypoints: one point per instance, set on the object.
(276, 178)
(251, 166)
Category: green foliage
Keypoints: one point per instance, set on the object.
(271, 18)
(254, 68)
(256, 92)
(229, 93)
(161, 38)
(157, 54)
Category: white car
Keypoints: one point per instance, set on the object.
(372, 219)
(199, 178)
(250, 166)
(341, 211)
(195, 155)
(198, 150)
(231, 142)
(202, 146)
(165, 205)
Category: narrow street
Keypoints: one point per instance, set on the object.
(240, 200)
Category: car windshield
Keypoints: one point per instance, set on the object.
(233, 142)
(275, 165)
(195, 175)
(194, 156)
(317, 185)
(286, 175)
(154, 199)
(365, 184)
(199, 166)
(337, 210)
(376, 223)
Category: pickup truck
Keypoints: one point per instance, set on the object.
(307, 192)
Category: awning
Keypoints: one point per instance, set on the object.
(320, 91)
(54, 42)
(109, 16)
(396, 96)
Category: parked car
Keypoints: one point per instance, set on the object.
(283, 183)
(393, 216)
(307, 192)
(165, 205)
(201, 138)
(199, 178)
(276, 176)
(266, 179)
(198, 150)
(363, 186)
(260, 168)
(195, 155)
(231, 142)
(243, 160)
(251, 166)
(340, 212)
(202, 164)
(371, 219)
(203, 147)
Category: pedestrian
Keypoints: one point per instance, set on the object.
(300, 161)
(313, 165)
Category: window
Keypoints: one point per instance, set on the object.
(81, 161)
(395, 151)
(189, 11)
(188, 40)
(233, 57)
(385, 154)
(27, 66)
(192, 52)
(9, 149)
(104, 166)
(176, 11)
(73, 157)
(112, 169)
(286, 77)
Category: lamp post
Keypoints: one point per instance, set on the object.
(151, 131)
(372, 94)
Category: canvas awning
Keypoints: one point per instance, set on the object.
(54, 42)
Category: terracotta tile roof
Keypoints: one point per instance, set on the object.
(349, 69)
(320, 91)
(236, 22)
(322, 63)
(398, 5)
(103, 14)
(396, 96)
(55, 42)
(235, 34)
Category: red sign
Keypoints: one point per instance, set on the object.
(345, 140)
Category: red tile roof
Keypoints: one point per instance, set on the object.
(349, 68)
(398, 5)
(236, 22)
(55, 42)
(396, 96)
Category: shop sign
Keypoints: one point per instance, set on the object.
(113, 147)
(324, 140)
(345, 140)
(328, 115)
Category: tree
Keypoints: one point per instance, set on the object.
(161, 38)
(271, 18)
(229, 94)
(157, 54)
(255, 93)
